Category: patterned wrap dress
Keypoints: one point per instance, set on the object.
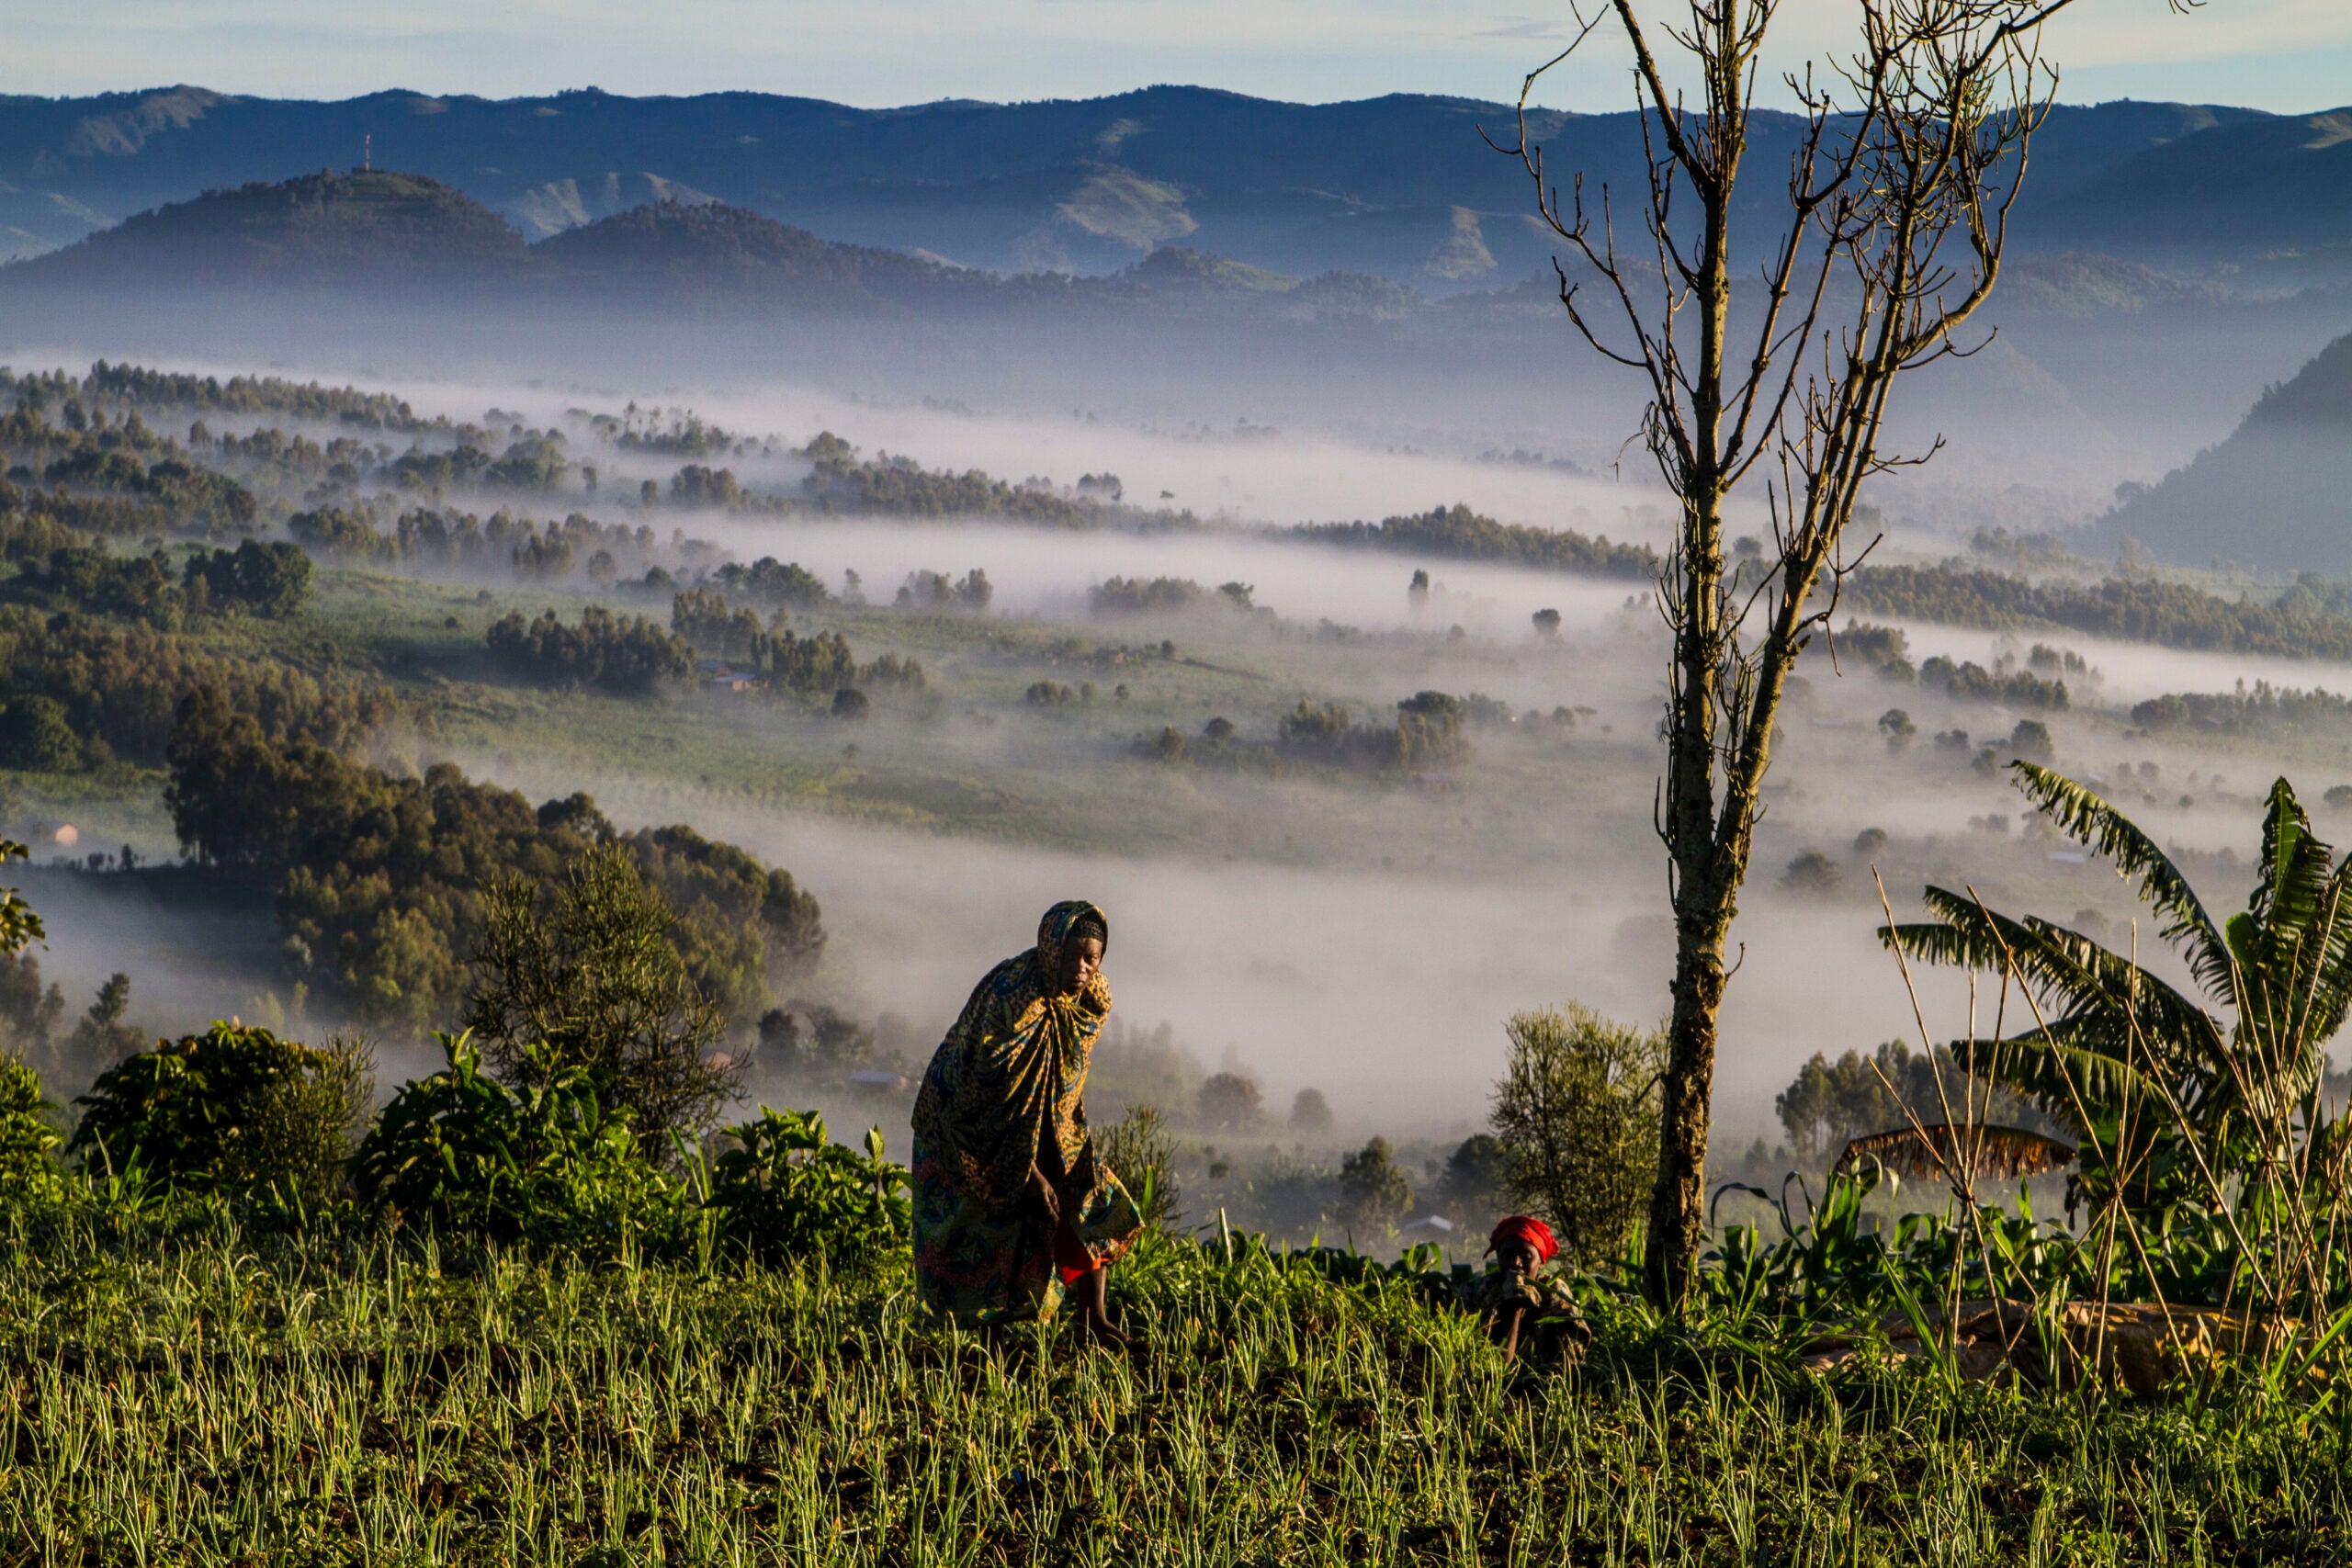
(1006, 1089)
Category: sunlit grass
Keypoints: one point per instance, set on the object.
(240, 1399)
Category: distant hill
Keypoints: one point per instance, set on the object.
(383, 232)
(1399, 187)
(711, 249)
(373, 230)
(2276, 495)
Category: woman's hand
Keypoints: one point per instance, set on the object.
(1042, 1191)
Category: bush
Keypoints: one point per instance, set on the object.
(1373, 1194)
(1232, 1101)
(235, 1111)
(1311, 1113)
(1475, 1173)
(1141, 1151)
(595, 983)
(1577, 1115)
(35, 736)
(785, 1193)
(28, 1173)
(548, 1164)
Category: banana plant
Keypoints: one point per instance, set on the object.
(2174, 1092)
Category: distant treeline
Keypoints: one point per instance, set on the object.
(381, 881)
(633, 656)
(2263, 708)
(114, 691)
(1431, 729)
(1458, 533)
(2312, 619)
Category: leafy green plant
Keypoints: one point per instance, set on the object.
(1141, 1150)
(234, 1112)
(784, 1191)
(596, 984)
(2115, 1049)
(462, 1154)
(21, 925)
(28, 1171)
(1576, 1110)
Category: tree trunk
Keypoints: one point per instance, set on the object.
(1678, 1202)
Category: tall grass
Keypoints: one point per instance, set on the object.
(233, 1398)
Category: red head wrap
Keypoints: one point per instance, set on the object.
(1525, 1229)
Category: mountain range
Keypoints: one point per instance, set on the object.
(2276, 495)
(1402, 188)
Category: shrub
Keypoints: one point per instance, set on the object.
(35, 736)
(1141, 1151)
(546, 1165)
(1231, 1100)
(784, 1191)
(234, 1110)
(596, 983)
(1578, 1115)
(28, 1174)
(1373, 1194)
(1811, 873)
(1474, 1176)
(1310, 1113)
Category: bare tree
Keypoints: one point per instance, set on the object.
(1910, 153)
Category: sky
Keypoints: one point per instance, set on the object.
(2284, 55)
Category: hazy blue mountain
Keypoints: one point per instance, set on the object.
(367, 229)
(1399, 186)
(2276, 494)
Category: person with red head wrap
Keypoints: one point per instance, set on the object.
(1523, 1231)
(1525, 1305)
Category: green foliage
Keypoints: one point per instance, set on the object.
(1428, 733)
(100, 1035)
(1137, 596)
(234, 1110)
(592, 984)
(28, 1171)
(1477, 1174)
(784, 1193)
(2312, 619)
(1231, 1100)
(35, 736)
(1576, 1111)
(1973, 682)
(1140, 1148)
(784, 663)
(901, 487)
(547, 1164)
(382, 881)
(625, 654)
(738, 1416)
(2154, 1084)
(93, 579)
(21, 924)
(1373, 1194)
(2264, 708)
(1462, 534)
(269, 581)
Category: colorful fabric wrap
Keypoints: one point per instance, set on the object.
(1006, 1090)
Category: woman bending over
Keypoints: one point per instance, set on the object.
(1011, 1208)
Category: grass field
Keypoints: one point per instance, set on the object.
(246, 1399)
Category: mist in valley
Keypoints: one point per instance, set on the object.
(1366, 940)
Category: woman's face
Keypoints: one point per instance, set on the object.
(1081, 962)
(1518, 1258)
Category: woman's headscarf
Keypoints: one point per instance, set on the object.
(1529, 1229)
(1014, 1065)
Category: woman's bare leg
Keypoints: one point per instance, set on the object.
(1091, 1291)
